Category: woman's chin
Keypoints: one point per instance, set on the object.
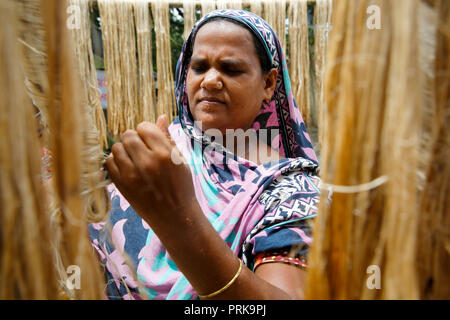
(210, 122)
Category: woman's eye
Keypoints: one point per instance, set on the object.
(233, 71)
(198, 69)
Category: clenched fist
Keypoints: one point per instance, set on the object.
(143, 169)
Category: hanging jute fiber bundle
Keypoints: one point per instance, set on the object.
(299, 56)
(41, 247)
(275, 15)
(256, 7)
(433, 257)
(166, 95)
(221, 4)
(26, 258)
(35, 64)
(208, 6)
(81, 31)
(31, 37)
(229, 4)
(95, 197)
(322, 16)
(64, 108)
(189, 17)
(119, 41)
(382, 227)
(147, 96)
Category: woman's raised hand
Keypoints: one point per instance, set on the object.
(144, 169)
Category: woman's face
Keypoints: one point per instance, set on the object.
(225, 83)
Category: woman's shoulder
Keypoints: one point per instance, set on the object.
(293, 195)
(297, 180)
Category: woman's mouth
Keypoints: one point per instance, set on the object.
(210, 103)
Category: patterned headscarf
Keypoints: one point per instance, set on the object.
(244, 201)
(279, 115)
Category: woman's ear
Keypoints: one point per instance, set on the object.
(270, 83)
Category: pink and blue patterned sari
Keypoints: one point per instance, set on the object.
(255, 208)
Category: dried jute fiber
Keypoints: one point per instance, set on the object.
(32, 37)
(275, 15)
(147, 95)
(166, 95)
(208, 6)
(382, 227)
(81, 31)
(65, 107)
(256, 7)
(93, 128)
(433, 252)
(189, 17)
(322, 16)
(26, 257)
(299, 56)
(229, 4)
(39, 244)
(119, 41)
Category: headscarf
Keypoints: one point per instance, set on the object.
(243, 201)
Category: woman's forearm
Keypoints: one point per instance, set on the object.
(207, 261)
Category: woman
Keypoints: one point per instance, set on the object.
(206, 224)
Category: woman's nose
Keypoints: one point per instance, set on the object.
(212, 80)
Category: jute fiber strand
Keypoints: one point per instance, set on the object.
(256, 7)
(372, 171)
(208, 6)
(35, 64)
(222, 4)
(434, 219)
(229, 4)
(322, 16)
(93, 130)
(64, 109)
(81, 30)
(119, 42)
(26, 258)
(299, 56)
(275, 15)
(189, 17)
(166, 95)
(111, 45)
(147, 94)
(31, 38)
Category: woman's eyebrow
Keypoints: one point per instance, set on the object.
(229, 61)
(233, 63)
(197, 60)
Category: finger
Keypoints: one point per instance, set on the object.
(163, 124)
(153, 137)
(138, 151)
(112, 168)
(122, 159)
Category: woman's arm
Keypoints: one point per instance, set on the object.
(209, 264)
(142, 169)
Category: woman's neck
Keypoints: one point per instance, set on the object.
(249, 147)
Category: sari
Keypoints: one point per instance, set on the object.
(256, 209)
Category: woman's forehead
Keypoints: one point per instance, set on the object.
(225, 36)
(223, 30)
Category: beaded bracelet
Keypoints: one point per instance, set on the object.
(226, 286)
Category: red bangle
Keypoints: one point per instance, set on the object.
(277, 256)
